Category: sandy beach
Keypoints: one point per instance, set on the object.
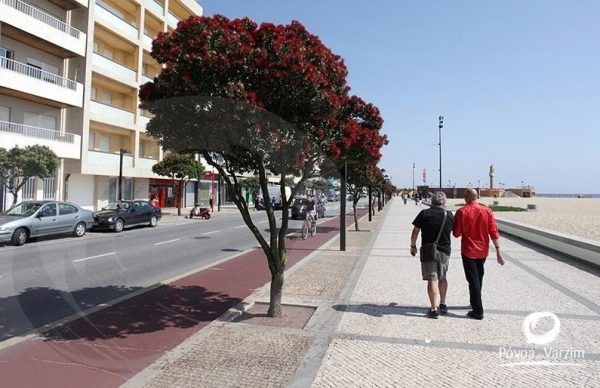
(573, 216)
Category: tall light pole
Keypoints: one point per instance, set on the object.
(121, 152)
(413, 186)
(440, 126)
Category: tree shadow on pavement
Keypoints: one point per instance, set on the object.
(377, 310)
(160, 308)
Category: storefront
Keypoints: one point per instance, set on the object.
(166, 191)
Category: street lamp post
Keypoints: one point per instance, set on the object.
(440, 126)
(121, 152)
(413, 186)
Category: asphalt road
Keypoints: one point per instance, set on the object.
(44, 281)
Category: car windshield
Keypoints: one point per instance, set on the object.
(300, 201)
(116, 206)
(23, 209)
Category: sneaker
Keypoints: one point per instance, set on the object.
(471, 314)
(443, 309)
(432, 314)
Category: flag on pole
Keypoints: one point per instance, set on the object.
(424, 175)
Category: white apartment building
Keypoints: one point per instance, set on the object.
(70, 72)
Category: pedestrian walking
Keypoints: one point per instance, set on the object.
(436, 225)
(475, 224)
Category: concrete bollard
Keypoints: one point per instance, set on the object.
(531, 207)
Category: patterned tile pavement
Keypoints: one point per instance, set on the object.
(370, 329)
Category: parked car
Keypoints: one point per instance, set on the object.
(123, 214)
(300, 207)
(43, 218)
(333, 197)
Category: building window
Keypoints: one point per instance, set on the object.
(28, 190)
(113, 189)
(39, 121)
(4, 113)
(49, 185)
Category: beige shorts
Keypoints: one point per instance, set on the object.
(433, 270)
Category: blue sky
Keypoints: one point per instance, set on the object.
(518, 83)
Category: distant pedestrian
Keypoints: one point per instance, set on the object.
(430, 222)
(475, 223)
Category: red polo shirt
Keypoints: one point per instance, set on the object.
(476, 224)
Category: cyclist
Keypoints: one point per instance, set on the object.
(311, 208)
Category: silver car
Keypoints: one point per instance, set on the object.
(43, 218)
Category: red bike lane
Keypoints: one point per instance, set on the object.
(107, 348)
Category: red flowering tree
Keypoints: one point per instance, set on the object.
(253, 99)
(358, 146)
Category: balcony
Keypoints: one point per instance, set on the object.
(113, 70)
(106, 163)
(192, 6)
(143, 121)
(147, 43)
(115, 23)
(145, 79)
(172, 20)
(31, 81)
(154, 7)
(64, 145)
(44, 26)
(111, 115)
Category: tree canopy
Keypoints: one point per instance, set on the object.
(17, 165)
(268, 99)
(181, 167)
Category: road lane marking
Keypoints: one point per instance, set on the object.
(95, 257)
(213, 232)
(239, 226)
(166, 242)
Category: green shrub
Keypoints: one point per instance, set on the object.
(498, 208)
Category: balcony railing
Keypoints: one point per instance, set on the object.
(114, 67)
(172, 19)
(42, 17)
(40, 133)
(116, 115)
(35, 72)
(116, 21)
(147, 42)
(154, 6)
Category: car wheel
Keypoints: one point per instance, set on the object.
(119, 225)
(79, 230)
(153, 221)
(19, 237)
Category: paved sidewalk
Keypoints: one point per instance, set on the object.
(369, 327)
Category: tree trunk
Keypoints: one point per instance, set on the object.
(276, 293)
(355, 216)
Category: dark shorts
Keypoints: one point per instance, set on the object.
(433, 270)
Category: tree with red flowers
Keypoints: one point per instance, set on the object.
(264, 100)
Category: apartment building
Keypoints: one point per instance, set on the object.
(70, 72)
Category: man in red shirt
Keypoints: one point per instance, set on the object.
(476, 224)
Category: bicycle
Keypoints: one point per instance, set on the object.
(309, 225)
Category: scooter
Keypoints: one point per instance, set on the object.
(198, 211)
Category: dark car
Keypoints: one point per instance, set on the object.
(123, 214)
(300, 207)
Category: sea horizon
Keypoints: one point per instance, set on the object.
(579, 195)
